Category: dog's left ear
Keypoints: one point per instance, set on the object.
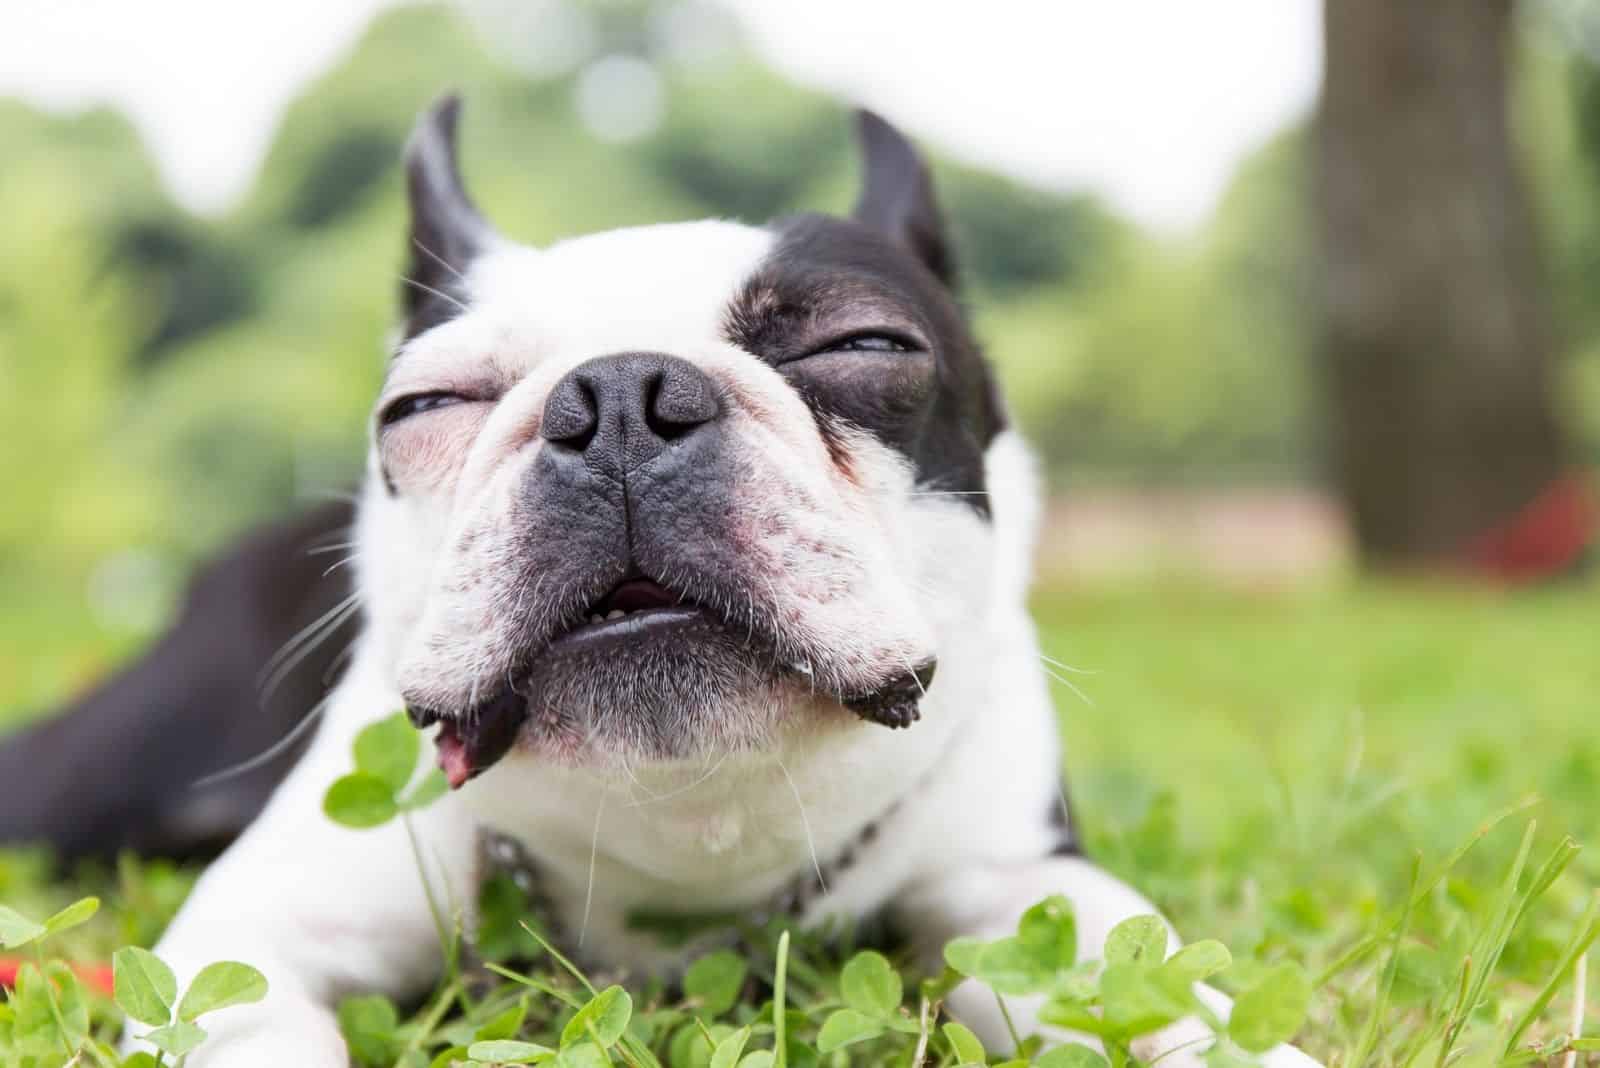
(447, 232)
(897, 195)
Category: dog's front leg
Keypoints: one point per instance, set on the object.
(323, 911)
(987, 903)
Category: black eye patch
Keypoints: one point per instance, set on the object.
(920, 385)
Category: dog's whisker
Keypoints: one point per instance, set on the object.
(330, 547)
(436, 258)
(913, 673)
(594, 853)
(1053, 662)
(268, 754)
(337, 564)
(303, 633)
(595, 715)
(656, 799)
(628, 771)
(330, 622)
(441, 294)
(1069, 684)
(805, 823)
(522, 594)
(750, 623)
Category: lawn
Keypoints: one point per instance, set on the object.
(1270, 767)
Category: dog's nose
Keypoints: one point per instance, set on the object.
(626, 409)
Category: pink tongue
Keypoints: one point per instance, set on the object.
(453, 758)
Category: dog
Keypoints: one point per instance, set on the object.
(701, 551)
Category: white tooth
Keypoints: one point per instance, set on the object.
(615, 613)
(595, 619)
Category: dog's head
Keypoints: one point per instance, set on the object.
(658, 493)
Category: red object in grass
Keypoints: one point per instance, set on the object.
(1546, 539)
(97, 977)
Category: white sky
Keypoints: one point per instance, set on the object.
(1150, 103)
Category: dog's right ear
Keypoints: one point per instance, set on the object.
(447, 232)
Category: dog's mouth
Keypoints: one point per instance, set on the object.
(470, 743)
(633, 611)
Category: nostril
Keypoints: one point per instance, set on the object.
(658, 417)
(571, 415)
(677, 403)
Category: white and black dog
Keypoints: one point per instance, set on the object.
(702, 550)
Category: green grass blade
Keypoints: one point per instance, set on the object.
(1563, 856)
(1490, 944)
(779, 993)
(560, 958)
(560, 995)
(1375, 939)
(1369, 1036)
(1588, 931)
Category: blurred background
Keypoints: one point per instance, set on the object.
(1300, 304)
(1300, 307)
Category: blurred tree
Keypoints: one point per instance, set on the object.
(1436, 340)
(745, 151)
(1011, 238)
(191, 281)
(1164, 362)
(341, 172)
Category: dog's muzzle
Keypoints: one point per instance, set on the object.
(654, 617)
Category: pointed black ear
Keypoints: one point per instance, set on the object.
(897, 194)
(447, 233)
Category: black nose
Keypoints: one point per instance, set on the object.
(624, 410)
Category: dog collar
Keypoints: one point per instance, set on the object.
(503, 855)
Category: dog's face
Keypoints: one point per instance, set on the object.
(659, 493)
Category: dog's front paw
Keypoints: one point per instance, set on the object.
(298, 1034)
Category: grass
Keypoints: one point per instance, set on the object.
(1269, 766)
(1273, 769)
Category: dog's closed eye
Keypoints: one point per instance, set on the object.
(417, 403)
(868, 342)
(423, 437)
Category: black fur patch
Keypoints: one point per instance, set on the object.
(939, 407)
(222, 689)
(1064, 822)
(447, 233)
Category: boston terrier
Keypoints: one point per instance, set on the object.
(700, 551)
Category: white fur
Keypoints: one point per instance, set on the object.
(960, 798)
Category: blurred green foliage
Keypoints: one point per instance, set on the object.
(165, 380)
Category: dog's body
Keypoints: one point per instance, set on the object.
(665, 533)
(224, 696)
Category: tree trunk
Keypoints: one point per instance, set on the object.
(1437, 344)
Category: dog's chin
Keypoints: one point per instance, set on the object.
(656, 684)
